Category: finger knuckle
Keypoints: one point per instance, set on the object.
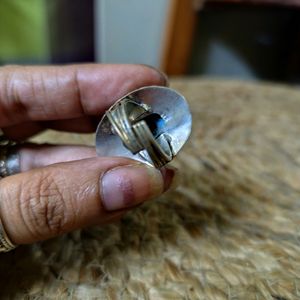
(19, 90)
(43, 206)
(10, 95)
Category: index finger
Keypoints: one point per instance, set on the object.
(66, 92)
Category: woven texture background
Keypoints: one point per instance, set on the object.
(230, 231)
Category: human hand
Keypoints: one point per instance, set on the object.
(62, 188)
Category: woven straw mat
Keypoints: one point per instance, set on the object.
(229, 231)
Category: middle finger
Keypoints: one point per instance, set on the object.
(34, 156)
(79, 125)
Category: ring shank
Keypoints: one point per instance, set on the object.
(6, 244)
(9, 165)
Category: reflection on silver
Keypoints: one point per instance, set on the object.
(150, 124)
(9, 157)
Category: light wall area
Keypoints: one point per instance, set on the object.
(131, 31)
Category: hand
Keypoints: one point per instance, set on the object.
(62, 188)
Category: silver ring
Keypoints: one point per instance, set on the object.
(150, 125)
(9, 165)
(9, 157)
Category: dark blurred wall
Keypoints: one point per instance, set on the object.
(71, 30)
(248, 42)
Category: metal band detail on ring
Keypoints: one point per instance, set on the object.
(128, 121)
(160, 156)
(5, 243)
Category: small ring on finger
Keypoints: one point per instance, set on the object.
(9, 157)
(9, 165)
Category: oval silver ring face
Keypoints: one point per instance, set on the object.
(150, 125)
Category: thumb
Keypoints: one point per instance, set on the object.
(50, 201)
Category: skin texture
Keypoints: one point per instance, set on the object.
(52, 195)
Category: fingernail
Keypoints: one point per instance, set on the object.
(128, 186)
(164, 76)
(171, 178)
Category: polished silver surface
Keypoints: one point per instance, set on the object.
(9, 157)
(150, 124)
(13, 161)
(9, 160)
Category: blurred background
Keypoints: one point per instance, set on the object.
(244, 39)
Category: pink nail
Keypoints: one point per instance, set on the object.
(128, 186)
